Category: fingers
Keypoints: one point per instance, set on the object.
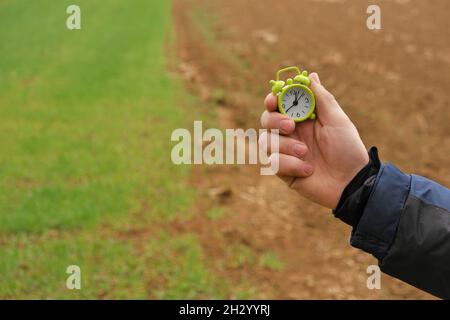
(289, 166)
(314, 77)
(286, 145)
(287, 158)
(275, 120)
(271, 102)
(327, 108)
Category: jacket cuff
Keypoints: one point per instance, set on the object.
(356, 193)
(377, 226)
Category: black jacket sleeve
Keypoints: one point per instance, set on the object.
(404, 221)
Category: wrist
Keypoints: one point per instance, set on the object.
(355, 194)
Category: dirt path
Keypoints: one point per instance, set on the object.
(392, 85)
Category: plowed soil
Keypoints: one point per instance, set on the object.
(393, 83)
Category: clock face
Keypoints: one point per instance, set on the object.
(296, 102)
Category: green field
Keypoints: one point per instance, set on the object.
(85, 118)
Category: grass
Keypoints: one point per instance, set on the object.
(216, 213)
(39, 270)
(204, 21)
(86, 117)
(179, 263)
(86, 113)
(240, 255)
(271, 261)
(165, 268)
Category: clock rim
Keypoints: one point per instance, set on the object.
(308, 91)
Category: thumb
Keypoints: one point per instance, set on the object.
(327, 108)
(314, 77)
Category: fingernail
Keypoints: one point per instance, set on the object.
(308, 169)
(315, 77)
(287, 126)
(299, 150)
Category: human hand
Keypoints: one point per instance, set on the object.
(317, 158)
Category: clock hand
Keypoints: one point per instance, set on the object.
(290, 108)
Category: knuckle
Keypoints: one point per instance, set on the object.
(264, 118)
(274, 140)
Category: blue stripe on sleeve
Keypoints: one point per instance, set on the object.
(376, 229)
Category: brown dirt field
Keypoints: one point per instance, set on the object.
(393, 83)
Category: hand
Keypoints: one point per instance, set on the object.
(317, 158)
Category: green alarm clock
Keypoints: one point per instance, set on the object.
(295, 98)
